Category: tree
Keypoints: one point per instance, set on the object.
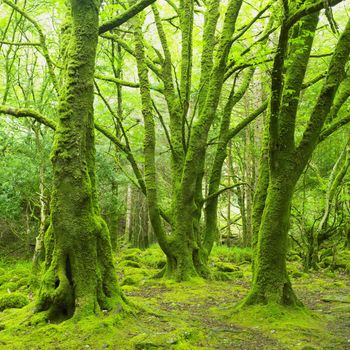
(79, 275)
(286, 159)
(188, 247)
(196, 111)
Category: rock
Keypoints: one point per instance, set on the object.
(13, 300)
(227, 276)
(226, 267)
(129, 263)
(146, 346)
(341, 309)
(132, 279)
(172, 341)
(336, 299)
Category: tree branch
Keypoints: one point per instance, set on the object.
(216, 194)
(42, 38)
(3, 42)
(125, 16)
(329, 130)
(122, 82)
(27, 112)
(234, 131)
(319, 5)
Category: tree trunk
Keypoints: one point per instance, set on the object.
(39, 252)
(338, 172)
(80, 277)
(286, 161)
(271, 282)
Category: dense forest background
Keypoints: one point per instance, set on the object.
(221, 154)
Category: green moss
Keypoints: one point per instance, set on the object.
(128, 263)
(295, 270)
(292, 328)
(9, 286)
(227, 276)
(233, 255)
(190, 315)
(132, 279)
(23, 282)
(13, 300)
(131, 255)
(298, 274)
(226, 267)
(154, 257)
(3, 279)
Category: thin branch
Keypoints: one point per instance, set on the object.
(3, 42)
(115, 116)
(27, 112)
(163, 125)
(329, 130)
(122, 82)
(319, 5)
(42, 39)
(234, 131)
(111, 79)
(216, 194)
(151, 65)
(246, 27)
(125, 16)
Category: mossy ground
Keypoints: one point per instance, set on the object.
(192, 315)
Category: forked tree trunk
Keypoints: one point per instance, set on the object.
(286, 161)
(80, 277)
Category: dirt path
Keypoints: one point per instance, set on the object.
(200, 315)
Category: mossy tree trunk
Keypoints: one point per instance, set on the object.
(337, 175)
(286, 161)
(225, 135)
(187, 144)
(80, 277)
(186, 242)
(189, 245)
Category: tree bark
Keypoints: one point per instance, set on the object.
(80, 277)
(286, 161)
(271, 282)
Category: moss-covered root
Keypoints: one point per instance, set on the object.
(187, 261)
(80, 279)
(180, 267)
(282, 295)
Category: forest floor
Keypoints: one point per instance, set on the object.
(190, 315)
